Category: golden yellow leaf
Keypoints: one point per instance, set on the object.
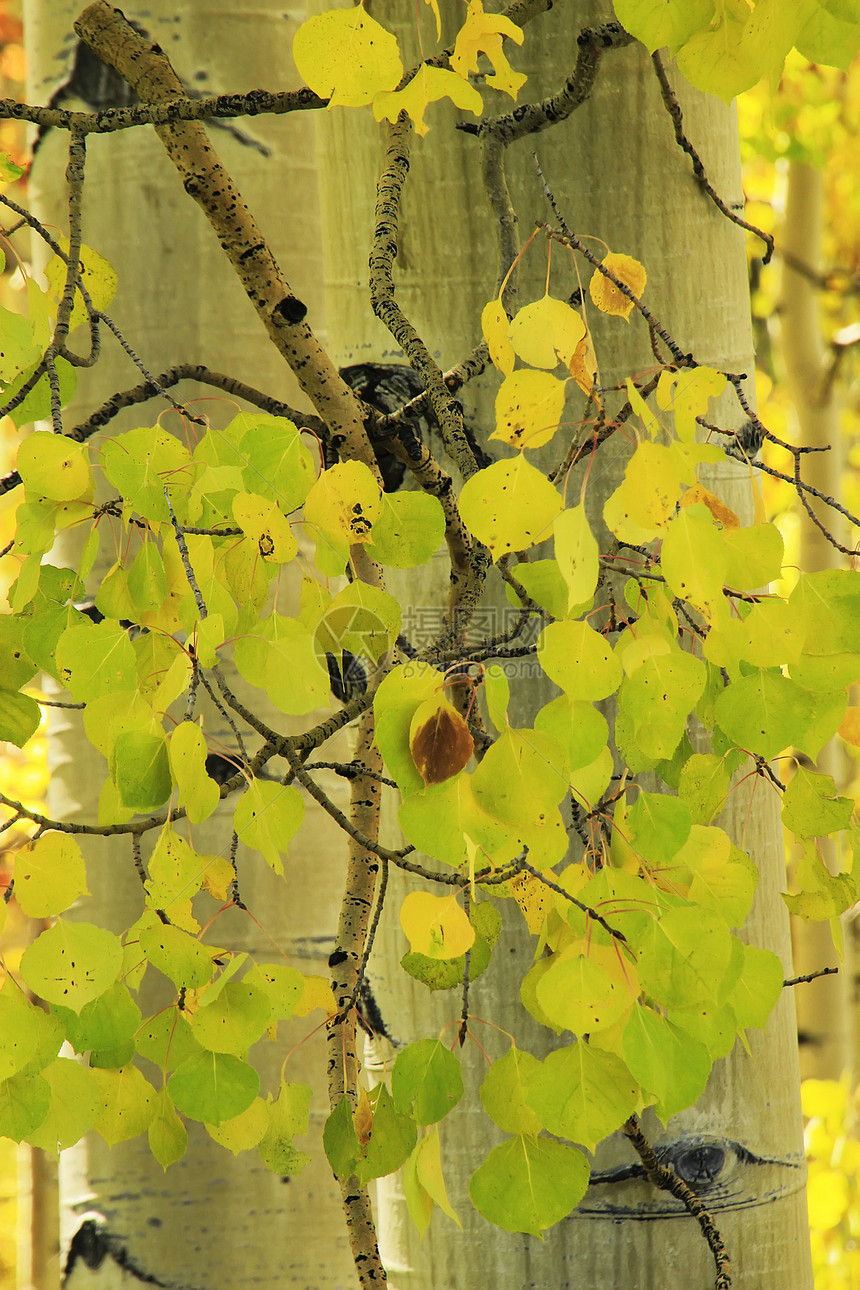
(346, 56)
(362, 1118)
(850, 728)
(529, 406)
(721, 513)
(316, 994)
(583, 366)
(482, 33)
(436, 925)
(607, 296)
(428, 85)
(546, 332)
(533, 899)
(494, 325)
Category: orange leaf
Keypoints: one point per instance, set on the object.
(850, 728)
(606, 294)
(583, 366)
(362, 1118)
(721, 513)
(440, 741)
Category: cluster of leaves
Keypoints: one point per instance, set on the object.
(653, 988)
(638, 965)
(727, 46)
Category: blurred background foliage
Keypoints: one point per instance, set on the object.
(812, 118)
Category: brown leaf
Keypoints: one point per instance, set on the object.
(440, 741)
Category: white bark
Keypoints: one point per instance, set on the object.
(619, 176)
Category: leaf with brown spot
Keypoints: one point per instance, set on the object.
(439, 740)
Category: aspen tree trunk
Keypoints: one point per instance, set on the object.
(824, 1007)
(618, 175)
(211, 1221)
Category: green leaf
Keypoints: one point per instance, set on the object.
(667, 1062)
(408, 531)
(266, 818)
(527, 1184)
(579, 660)
(577, 725)
(244, 1131)
(503, 1092)
(25, 1101)
(106, 1027)
(810, 807)
(582, 1093)
(426, 1081)
(168, 1138)
(140, 768)
(213, 1087)
(703, 785)
(423, 1183)
(340, 1140)
(362, 619)
(542, 580)
(187, 752)
(766, 712)
(234, 1021)
(724, 879)
(288, 1116)
(166, 1039)
(19, 717)
(36, 406)
(96, 659)
(659, 826)
(128, 1104)
(578, 994)
(72, 963)
(282, 985)
(179, 956)
(392, 1138)
(142, 464)
(756, 991)
(684, 957)
(663, 22)
(655, 702)
(275, 460)
(75, 1102)
(509, 506)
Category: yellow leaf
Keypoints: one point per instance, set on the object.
(482, 33)
(533, 898)
(218, 876)
(436, 925)
(362, 1118)
(269, 530)
(697, 495)
(346, 56)
(606, 294)
(97, 275)
(577, 554)
(546, 332)
(494, 325)
(641, 507)
(688, 392)
(316, 994)
(529, 406)
(428, 1170)
(344, 503)
(428, 85)
(850, 728)
(583, 367)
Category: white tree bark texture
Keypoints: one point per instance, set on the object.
(618, 175)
